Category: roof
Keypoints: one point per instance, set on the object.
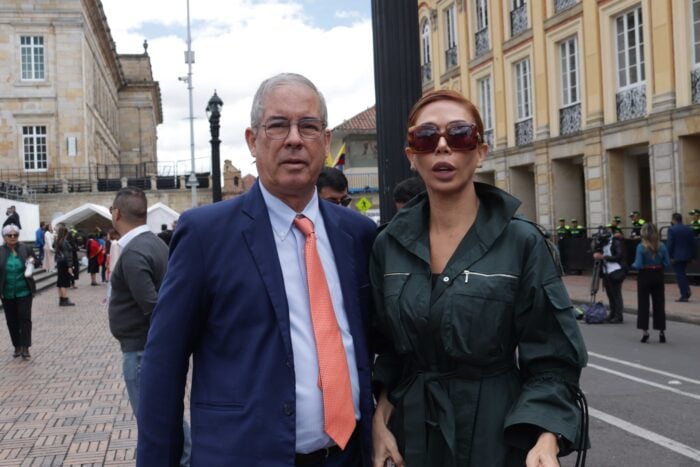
(81, 213)
(365, 120)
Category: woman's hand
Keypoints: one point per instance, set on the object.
(384, 442)
(544, 453)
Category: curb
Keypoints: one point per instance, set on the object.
(669, 317)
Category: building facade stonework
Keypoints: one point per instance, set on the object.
(73, 112)
(590, 106)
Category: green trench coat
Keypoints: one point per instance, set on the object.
(482, 358)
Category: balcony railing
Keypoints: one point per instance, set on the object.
(632, 103)
(570, 119)
(427, 72)
(451, 57)
(518, 20)
(482, 42)
(488, 138)
(524, 132)
(695, 85)
(560, 5)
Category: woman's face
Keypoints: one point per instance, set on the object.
(11, 239)
(446, 170)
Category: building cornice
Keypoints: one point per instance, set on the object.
(97, 19)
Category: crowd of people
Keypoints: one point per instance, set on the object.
(444, 337)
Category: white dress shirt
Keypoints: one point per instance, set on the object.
(290, 249)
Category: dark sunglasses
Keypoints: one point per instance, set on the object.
(12, 235)
(460, 136)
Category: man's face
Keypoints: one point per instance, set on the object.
(334, 196)
(289, 167)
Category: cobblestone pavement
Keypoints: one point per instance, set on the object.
(67, 405)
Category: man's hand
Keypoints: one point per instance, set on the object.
(598, 256)
(544, 453)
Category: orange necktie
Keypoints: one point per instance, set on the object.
(334, 377)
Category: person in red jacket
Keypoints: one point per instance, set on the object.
(95, 253)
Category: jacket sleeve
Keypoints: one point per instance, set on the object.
(616, 252)
(551, 354)
(176, 319)
(139, 278)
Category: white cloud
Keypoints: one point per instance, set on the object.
(237, 44)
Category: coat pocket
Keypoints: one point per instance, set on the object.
(478, 318)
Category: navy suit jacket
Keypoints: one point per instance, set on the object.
(223, 301)
(680, 242)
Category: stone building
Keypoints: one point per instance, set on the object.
(590, 106)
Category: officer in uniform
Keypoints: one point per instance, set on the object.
(577, 231)
(637, 223)
(695, 222)
(563, 230)
(614, 227)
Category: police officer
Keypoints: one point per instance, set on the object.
(577, 231)
(614, 227)
(695, 222)
(563, 230)
(637, 223)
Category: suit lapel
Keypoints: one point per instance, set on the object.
(261, 243)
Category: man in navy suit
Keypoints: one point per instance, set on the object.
(681, 249)
(235, 298)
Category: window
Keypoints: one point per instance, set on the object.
(522, 89)
(34, 147)
(568, 51)
(32, 56)
(425, 42)
(630, 48)
(486, 109)
(696, 33)
(518, 17)
(482, 15)
(451, 38)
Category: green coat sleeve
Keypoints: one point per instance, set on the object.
(551, 355)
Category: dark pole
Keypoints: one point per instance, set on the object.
(214, 114)
(397, 85)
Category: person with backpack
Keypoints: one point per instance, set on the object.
(650, 260)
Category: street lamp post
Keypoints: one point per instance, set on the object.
(213, 115)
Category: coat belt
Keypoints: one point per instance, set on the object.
(424, 402)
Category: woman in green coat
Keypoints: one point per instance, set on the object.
(479, 354)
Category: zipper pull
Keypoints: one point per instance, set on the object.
(466, 276)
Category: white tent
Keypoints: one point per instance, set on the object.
(81, 213)
(28, 217)
(160, 214)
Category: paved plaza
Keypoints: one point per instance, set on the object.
(68, 406)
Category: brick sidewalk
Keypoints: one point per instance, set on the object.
(67, 405)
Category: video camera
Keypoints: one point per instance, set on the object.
(600, 239)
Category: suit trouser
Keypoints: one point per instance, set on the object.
(613, 289)
(651, 282)
(18, 314)
(682, 280)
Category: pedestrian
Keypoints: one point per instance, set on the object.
(49, 238)
(464, 289)
(695, 221)
(406, 190)
(269, 386)
(651, 258)
(17, 287)
(577, 231)
(165, 234)
(64, 264)
(39, 244)
(611, 251)
(75, 244)
(637, 223)
(681, 250)
(614, 227)
(332, 185)
(12, 217)
(102, 255)
(93, 251)
(136, 279)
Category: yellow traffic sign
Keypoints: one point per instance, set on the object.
(363, 204)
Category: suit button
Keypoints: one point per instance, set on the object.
(288, 410)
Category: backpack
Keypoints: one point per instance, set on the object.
(594, 313)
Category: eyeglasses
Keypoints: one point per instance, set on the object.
(12, 235)
(344, 201)
(460, 136)
(308, 128)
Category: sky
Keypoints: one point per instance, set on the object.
(237, 44)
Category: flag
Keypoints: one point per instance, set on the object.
(329, 160)
(339, 162)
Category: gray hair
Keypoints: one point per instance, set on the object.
(282, 79)
(10, 228)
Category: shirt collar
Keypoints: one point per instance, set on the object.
(282, 216)
(131, 234)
